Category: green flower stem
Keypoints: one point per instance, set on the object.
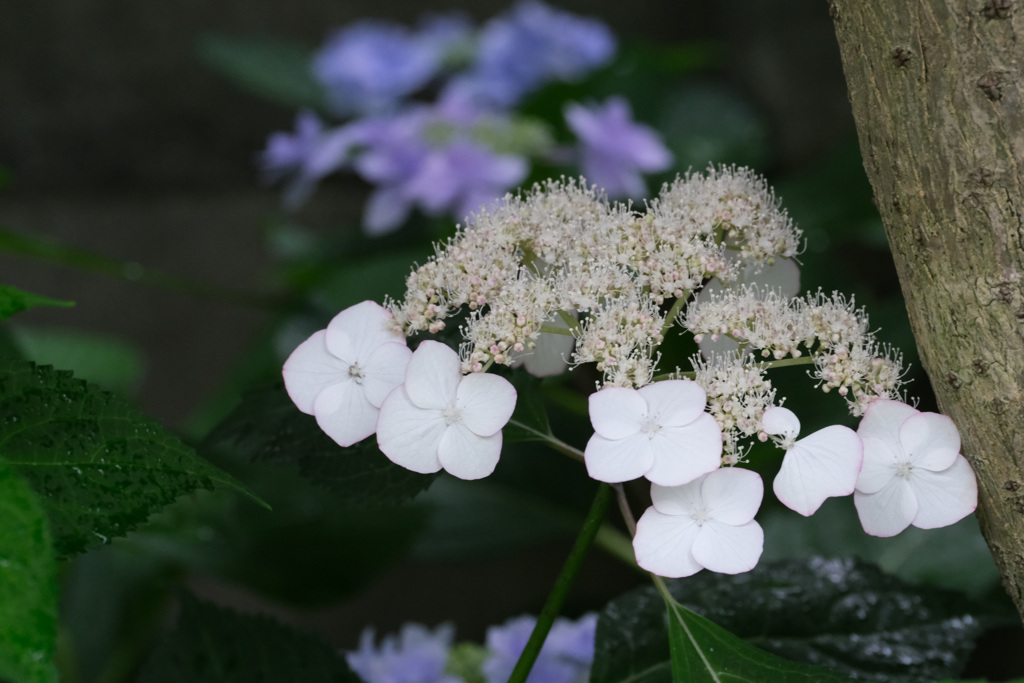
(81, 259)
(786, 362)
(553, 606)
(673, 312)
(618, 545)
(554, 329)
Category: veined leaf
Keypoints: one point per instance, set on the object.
(14, 300)
(100, 467)
(28, 585)
(215, 645)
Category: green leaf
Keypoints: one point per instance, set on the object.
(267, 428)
(13, 300)
(215, 645)
(530, 420)
(110, 363)
(100, 466)
(271, 68)
(843, 614)
(28, 585)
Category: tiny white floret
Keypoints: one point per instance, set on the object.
(816, 467)
(913, 471)
(706, 524)
(342, 374)
(659, 431)
(440, 418)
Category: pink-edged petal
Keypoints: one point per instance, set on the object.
(732, 495)
(889, 511)
(466, 455)
(930, 440)
(343, 412)
(409, 435)
(681, 454)
(619, 460)
(617, 412)
(674, 402)
(485, 403)
(881, 458)
(822, 465)
(882, 419)
(663, 543)
(310, 369)
(678, 500)
(728, 549)
(433, 375)
(354, 333)
(384, 370)
(779, 420)
(945, 497)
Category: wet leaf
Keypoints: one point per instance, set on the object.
(100, 467)
(28, 585)
(13, 300)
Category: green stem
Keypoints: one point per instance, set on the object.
(618, 545)
(558, 592)
(554, 329)
(20, 245)
(673, 312)
(786, 362)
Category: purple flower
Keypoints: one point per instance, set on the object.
(615, 149)
(565, 658)
(416, 655)
(426, 158)
(533, 44)
(370, 65)
(305, 156)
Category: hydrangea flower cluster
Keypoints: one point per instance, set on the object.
(420, 655)
(465, 146)
(564, 278)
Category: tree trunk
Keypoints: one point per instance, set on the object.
(936, 88)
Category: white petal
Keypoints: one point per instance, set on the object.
(678, 500)
(409, 435)
(681, 454)
(466, 455)
(728, 549)
(783, 276)
(674, 402)
(485, 402)
(820, 466)
(384, 370)
(550, 356)
(779, 420)
(882, 419)
(343, 412)
(881, 458)
(310, 369)
(889, 511)
(354, 333)
(930, 440)
(944, 497)
(433, 375)
(663, 543)
(617, 412)
(619, 460)
(732, 495)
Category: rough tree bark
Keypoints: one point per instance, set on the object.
(936, 88)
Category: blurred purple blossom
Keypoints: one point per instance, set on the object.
(304, 157)
(416, 655)
(615, 148)
(533, 44)
(368, 66)
(565, 658)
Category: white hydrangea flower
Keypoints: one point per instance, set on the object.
(913, 471)
(342, 374)
(706, 524)
(441, 418)
(660, 432)
(819, 466)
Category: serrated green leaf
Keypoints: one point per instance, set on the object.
(100, 467)
(843, 614)
(267, 428)
(14, 300)
(28, 585)
(214, 645)
(275, 69)
(110, 363)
